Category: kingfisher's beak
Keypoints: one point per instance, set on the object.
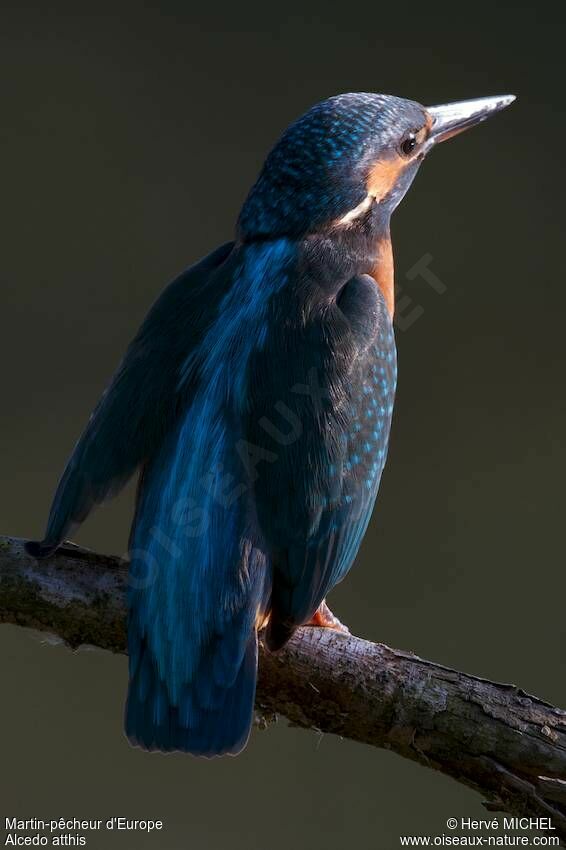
(452, 118)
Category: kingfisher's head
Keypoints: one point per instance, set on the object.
(348, 156)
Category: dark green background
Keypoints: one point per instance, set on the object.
(129, 136)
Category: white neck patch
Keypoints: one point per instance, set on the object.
(358, 211)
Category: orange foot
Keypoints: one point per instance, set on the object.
(325, 619)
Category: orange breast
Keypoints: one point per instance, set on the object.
(383, 272)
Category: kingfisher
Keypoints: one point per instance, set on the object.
(255, 401)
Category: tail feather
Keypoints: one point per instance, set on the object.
(40, 548)
(208, 721)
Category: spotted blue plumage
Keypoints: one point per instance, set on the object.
(329, 415)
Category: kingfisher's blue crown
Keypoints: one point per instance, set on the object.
(317, 169)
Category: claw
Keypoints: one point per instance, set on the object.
(323, 618)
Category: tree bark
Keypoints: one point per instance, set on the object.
(504, 743)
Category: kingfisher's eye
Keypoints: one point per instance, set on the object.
(408, 144)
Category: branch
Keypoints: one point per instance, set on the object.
(495, 738)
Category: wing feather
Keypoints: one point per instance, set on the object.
(315, 500)
(142, 402)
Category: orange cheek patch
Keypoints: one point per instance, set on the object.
(384, 175)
